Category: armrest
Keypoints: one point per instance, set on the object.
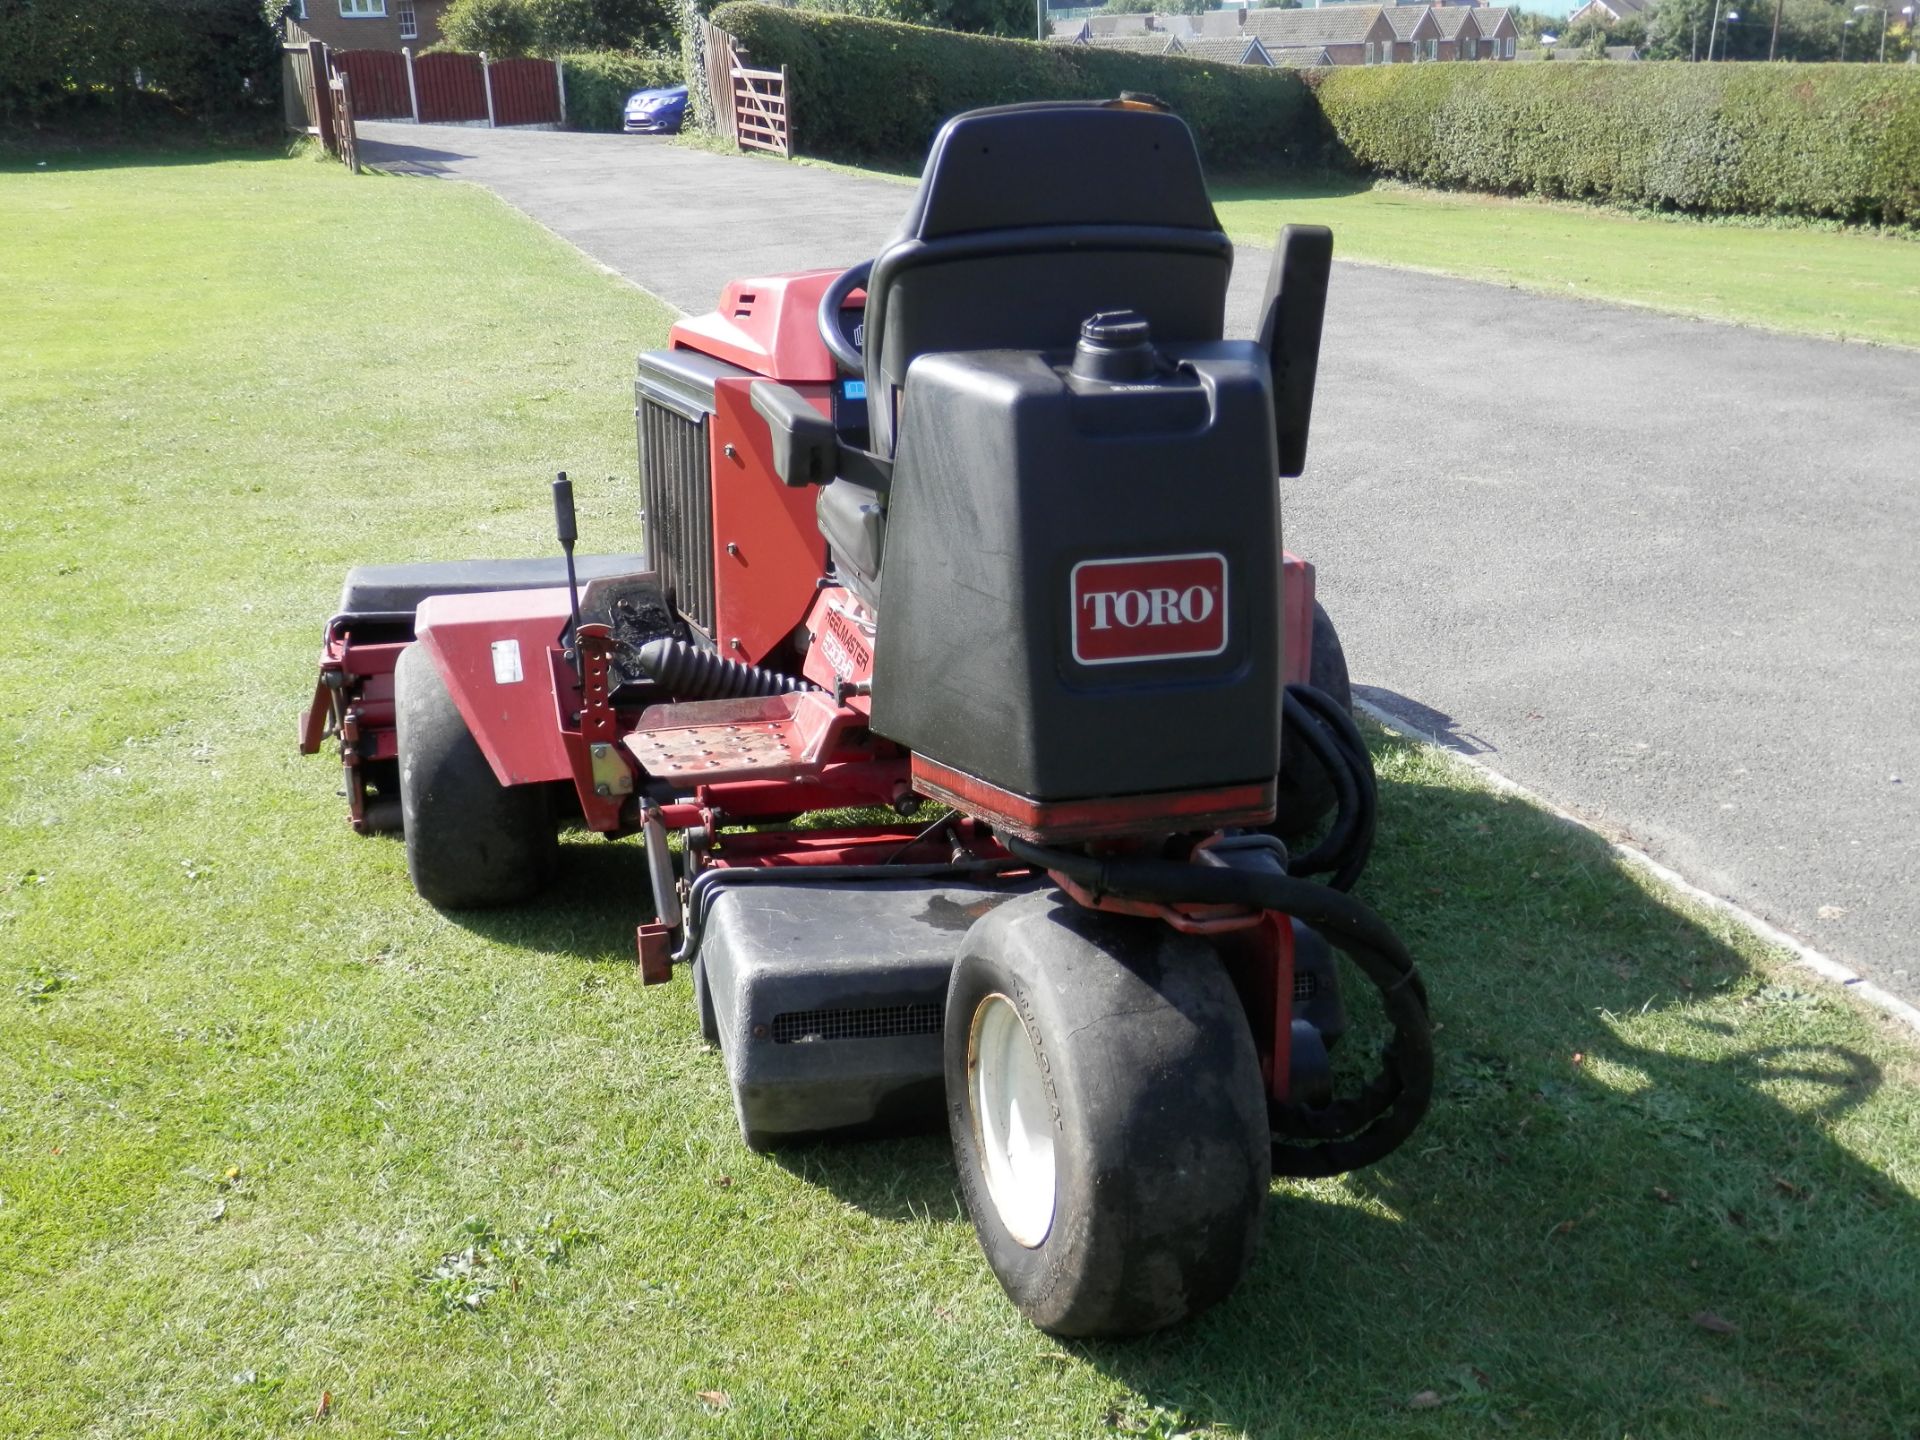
(805, 446)
(1290, 321)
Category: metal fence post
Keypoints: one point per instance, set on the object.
(560, 84)
(486, 78)
(413, 94)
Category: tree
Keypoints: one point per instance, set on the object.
(499, 27)
(603, 24)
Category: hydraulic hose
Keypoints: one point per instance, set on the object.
(1317, 721)
(1350, 1132)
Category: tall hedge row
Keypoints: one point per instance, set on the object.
(1825, 140)
(210, 59)
(599, 81)
(876, 90)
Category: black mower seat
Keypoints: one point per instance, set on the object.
(375, 592)
(1028, 219)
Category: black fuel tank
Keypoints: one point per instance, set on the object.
(1081, 587)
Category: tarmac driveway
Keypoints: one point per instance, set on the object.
(1662, 571)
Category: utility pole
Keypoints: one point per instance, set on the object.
(1774, 43)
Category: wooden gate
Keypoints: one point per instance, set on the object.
(379, 83)
(346, 141)
(525, 92)
(760, 110)
(452, 88)
(749, 106)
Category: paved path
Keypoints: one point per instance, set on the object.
(1662, 571)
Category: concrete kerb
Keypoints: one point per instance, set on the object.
(1804, 955)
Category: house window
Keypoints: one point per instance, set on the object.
(409, 29)
(363, 9)
(1433, 49)
(1509, 47)
(1469, 49)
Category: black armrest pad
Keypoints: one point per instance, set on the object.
(804, 444)
(1290, 319)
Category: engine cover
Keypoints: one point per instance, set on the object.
(1082, 577)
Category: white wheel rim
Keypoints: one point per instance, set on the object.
(1012, 1120)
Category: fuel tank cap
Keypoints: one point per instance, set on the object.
(1115, 345)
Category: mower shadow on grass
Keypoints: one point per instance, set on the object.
(598, 895)
(1630, 1210)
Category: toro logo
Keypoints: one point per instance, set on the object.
(1149, 607)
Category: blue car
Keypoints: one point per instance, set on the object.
(656, 112)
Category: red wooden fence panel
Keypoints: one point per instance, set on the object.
(379, 83)
(451, 88)
(525, 92)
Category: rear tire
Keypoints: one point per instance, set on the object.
(1306, 795)
(472, 843)
(1107, 1116)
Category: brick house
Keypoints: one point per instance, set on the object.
(1455, 23)
(1609, 12)
(1154, 44)
(1350, 34)
(1224, 49)
(1416, 34)
(1497, 35)
(366, 24)
(1300, 57)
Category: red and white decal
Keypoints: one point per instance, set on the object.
(1149, 607)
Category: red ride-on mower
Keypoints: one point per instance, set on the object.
(981, 538)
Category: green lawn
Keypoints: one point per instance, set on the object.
(271, 1130)
(1858, 285)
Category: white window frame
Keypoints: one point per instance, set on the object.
(1509, 47)
(363, 9)
(409, 22)
(1469, 49)
(1433, 49)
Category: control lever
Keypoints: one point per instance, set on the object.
(568, 531)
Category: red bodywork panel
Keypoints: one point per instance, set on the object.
(841, 653)
(768, 555)
(1051, 822)
(768, 325)
(1296, 599)
(512, 719)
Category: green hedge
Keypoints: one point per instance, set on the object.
(599, 81)
(209, 59)
(874, 90)
(1823, 140)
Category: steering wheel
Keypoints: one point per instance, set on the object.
(845, 354)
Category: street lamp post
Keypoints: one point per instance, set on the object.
(1732, 15)
(1845, 26)
(1863, 9)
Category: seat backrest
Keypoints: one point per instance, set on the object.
(1030, 218)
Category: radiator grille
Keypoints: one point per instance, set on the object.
(803, 1026)
(679, 508)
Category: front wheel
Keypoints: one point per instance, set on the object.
(472, 843)
(1107, 1115)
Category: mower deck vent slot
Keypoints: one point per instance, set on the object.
(799, 1027)
(679, 514)
(1306, 985)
